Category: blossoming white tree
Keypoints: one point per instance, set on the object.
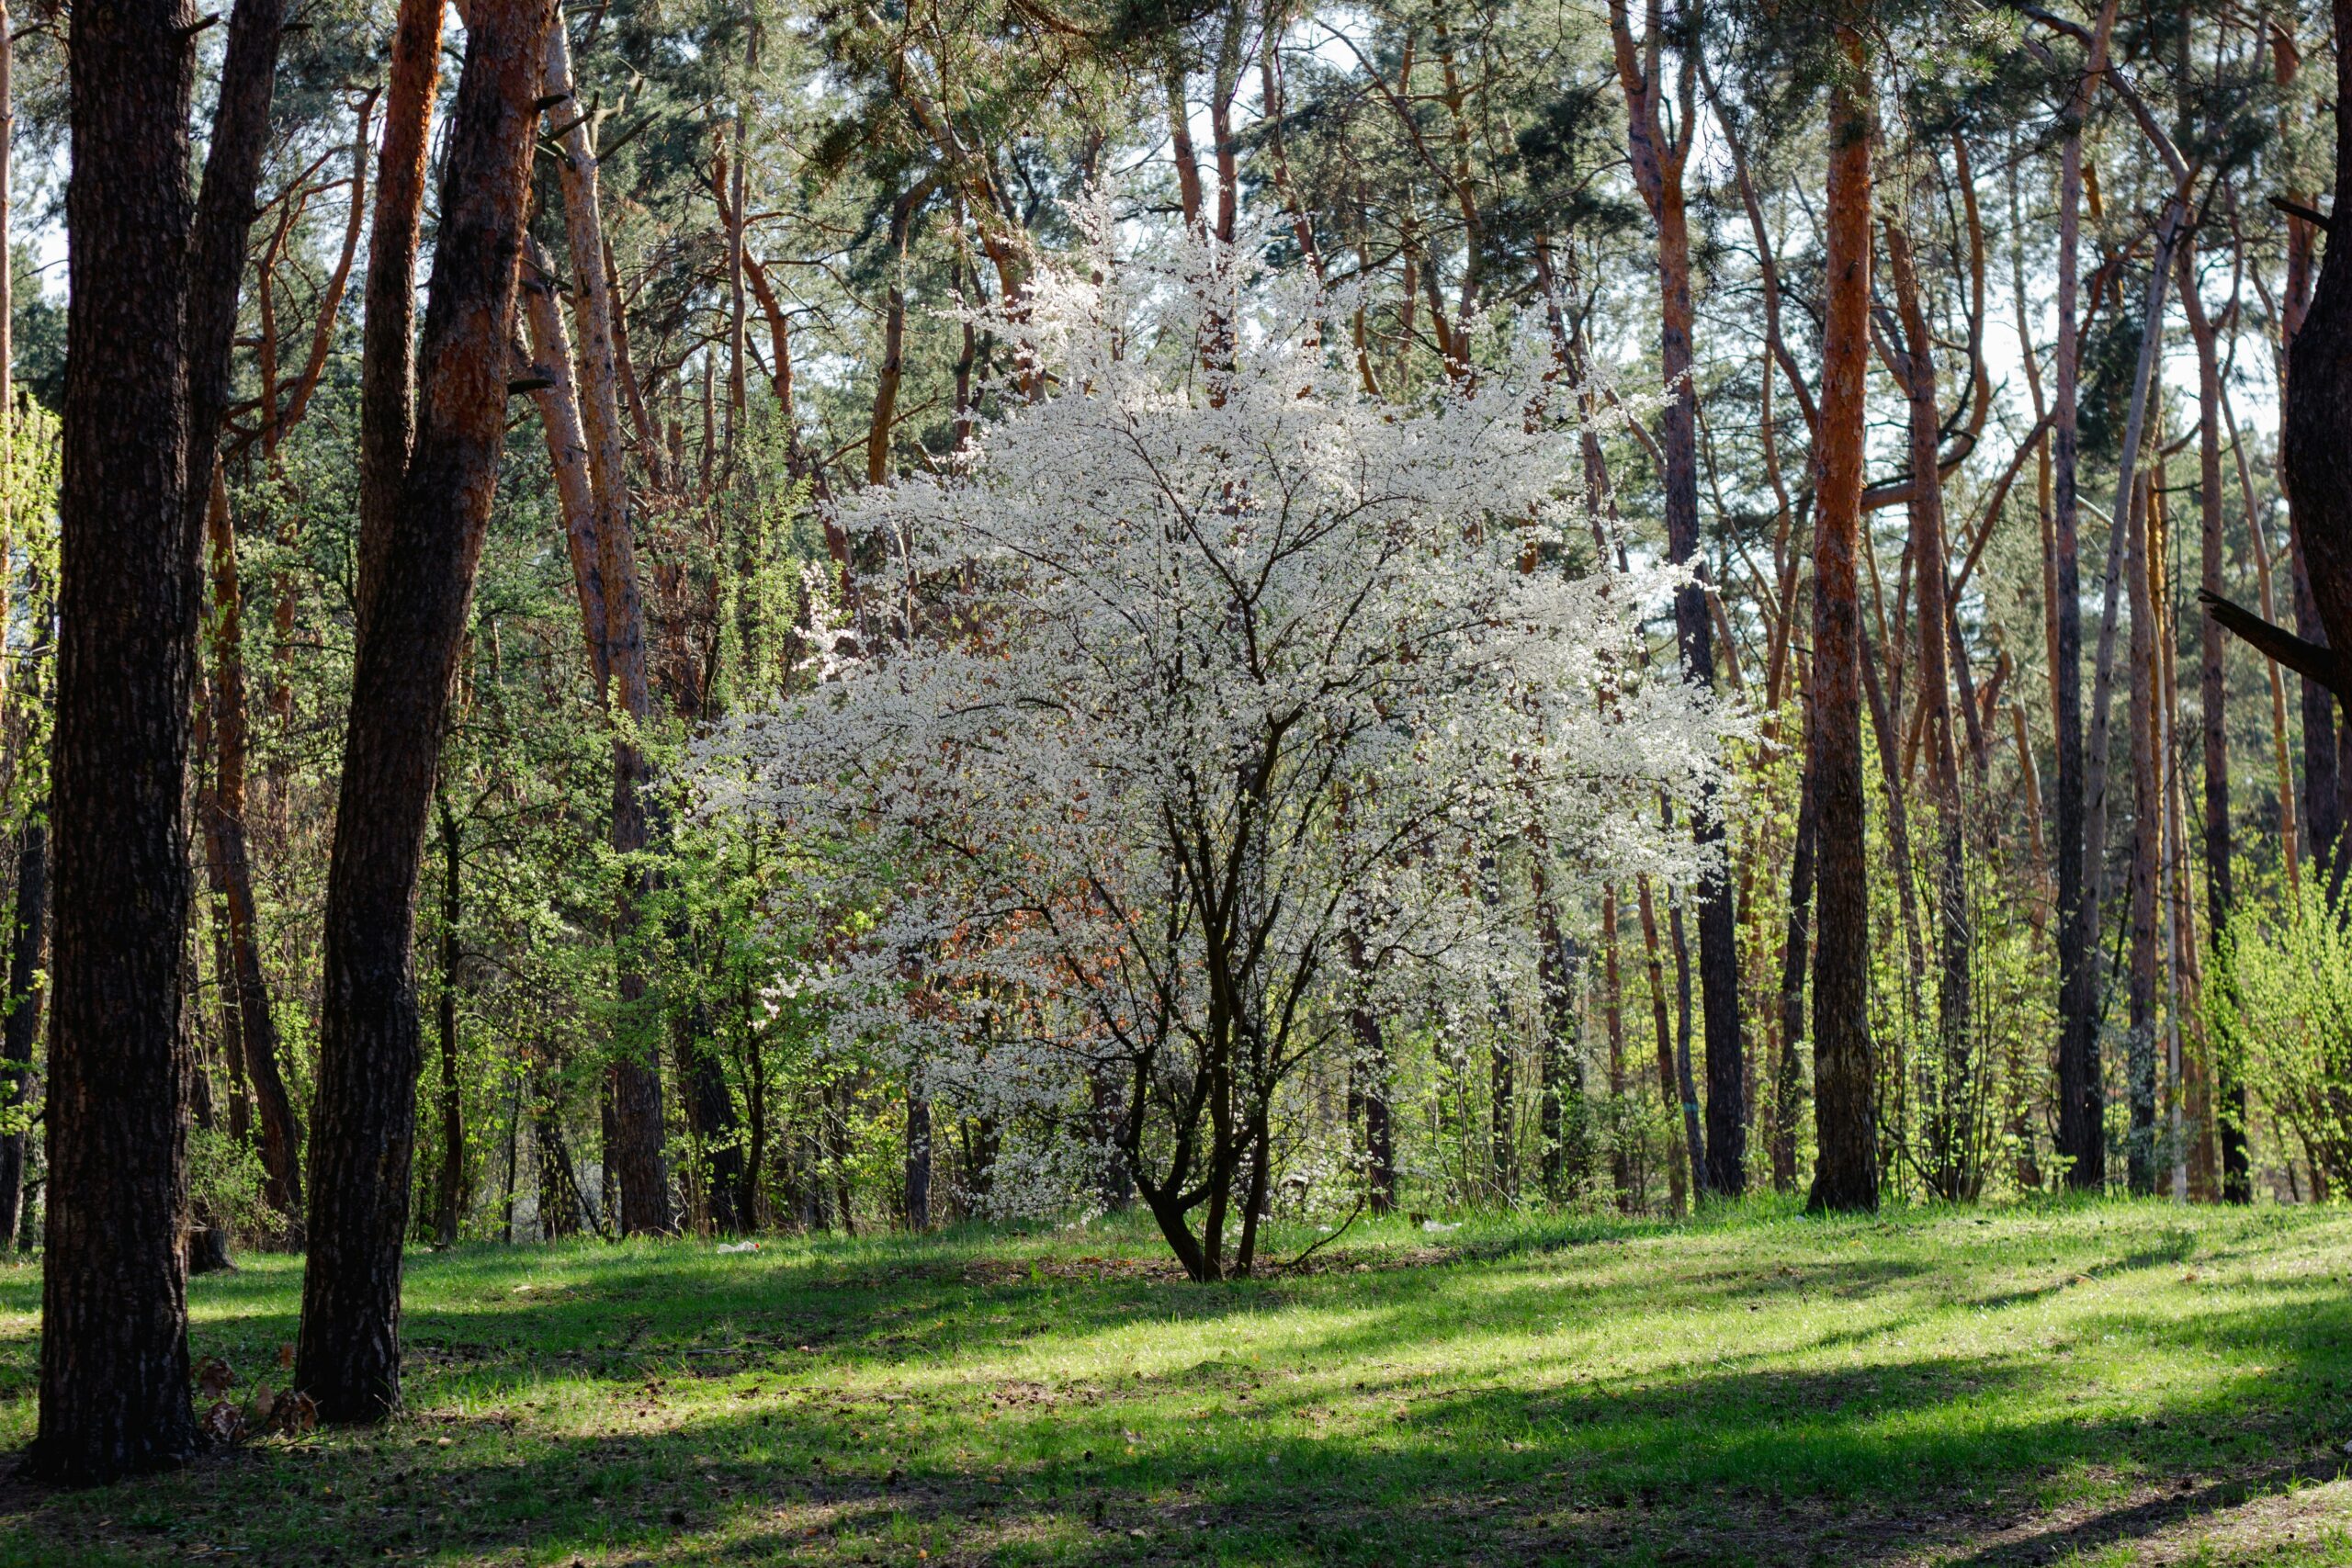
(1204, 686)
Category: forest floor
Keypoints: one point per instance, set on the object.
(2082, 1382)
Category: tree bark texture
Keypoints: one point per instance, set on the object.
(228, 863)
(1845, 1090)
(2081, 1138)
(114, 1363)
(2319, 411)
(388, 350)
(413, 626)
(636, 1150)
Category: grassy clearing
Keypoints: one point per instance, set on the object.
(2102, 1383)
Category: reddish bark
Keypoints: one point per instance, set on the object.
(412, 623)
(1845, 1090)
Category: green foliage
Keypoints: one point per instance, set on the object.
(2287, 1013)
(224, 1182)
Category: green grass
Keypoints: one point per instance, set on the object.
(2102, 1383)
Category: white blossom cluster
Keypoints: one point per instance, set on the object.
(1201, 689)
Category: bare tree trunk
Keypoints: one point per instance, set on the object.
(2212, 688)
(2082, 1138)
(222, 810)
(1564, 1124)
(452, 1185)
(1844, 1071)
(636, 1077)
(1684, 1082)
(1790, 1082)
(1677, 1178)
(1658, 160)
(918, 1170)
(558, 404)
(1612, 1014)
(1372, 1068)
(1949, 1172)
(2140, 1049)
(2117, 570)
(2323, 815)
(894, 327)
(412, 623)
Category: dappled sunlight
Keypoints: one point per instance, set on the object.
(1767, 1389)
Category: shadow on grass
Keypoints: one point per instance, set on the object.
(815, 1404)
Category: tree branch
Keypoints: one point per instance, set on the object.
(2311, 661)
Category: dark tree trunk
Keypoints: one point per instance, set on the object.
(2221, 896)
(1116, 1185)
(2147, 806)
(1613, 1011)
(1789, 1087)
(1845, 1090)
(114, 1378)
(1567, 1150)
(412, 622)
(1687, 1086)
(918, 1160)
(217, 256)
(2082, 1138)
(2323, 816)
(560, 1202)
(1677, 1170)
(206, 1239)
(2318, 416)
(1657, 157)
(452, 1185)
(229, 864)
(1379, 1134)
(23, 1025)
(714, 1121)
(388, 347)
(1502, 1095)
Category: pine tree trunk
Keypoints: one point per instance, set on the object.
(2213, 693)
(114, 1361)
(1567, 1153)
(636, 1077)
(229, 863)
(1845, 1070)
(1950, 1173)
(2082, 1136)
(412, 623)
(559, 405)
(2318, 414)
(2140, 1048)
(1658, 160)
(451, 1187)
(888, 373)
(1379, 1136)
(918, 1170)
(7, 337)
(1612, 1014)
(1676, 1166)
(388, 349)
(1790, 1085)
(712, 1105)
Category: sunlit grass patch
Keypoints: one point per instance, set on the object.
(2024, 1385)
